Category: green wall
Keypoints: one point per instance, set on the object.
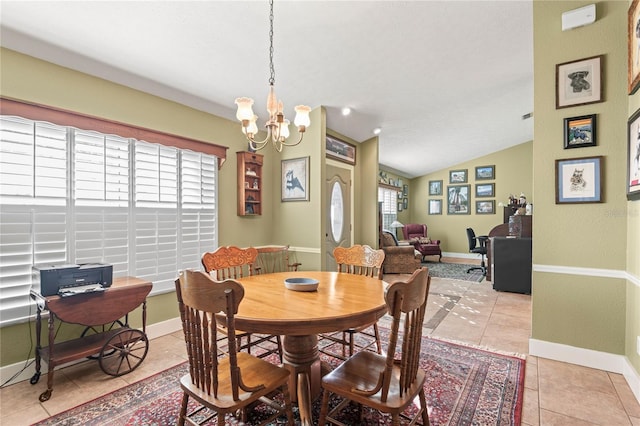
(569, 307)
(26, 78)
(572, 305)
(586, 280)
(513, 175)
(633, 264)
(295, 223)
(366, 219)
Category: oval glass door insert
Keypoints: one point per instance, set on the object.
(337, 212)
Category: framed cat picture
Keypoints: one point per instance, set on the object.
(579, 180)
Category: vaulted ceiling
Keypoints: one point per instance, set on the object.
(446, 81)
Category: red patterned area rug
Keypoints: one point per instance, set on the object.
(465, 386)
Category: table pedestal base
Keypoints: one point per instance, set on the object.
(301, 358)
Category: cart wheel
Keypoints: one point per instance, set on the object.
(123, 352)
(44, 396)
(98, 329)
(35, 378)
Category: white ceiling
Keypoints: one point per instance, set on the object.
(446, 81)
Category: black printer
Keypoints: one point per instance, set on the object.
(49, 280)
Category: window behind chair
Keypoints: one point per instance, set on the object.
(388, 199)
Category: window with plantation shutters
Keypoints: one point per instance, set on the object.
(100, 200)
(78, 196)
(389, 199)
(156, 213)
(33, 207)
(197, 216)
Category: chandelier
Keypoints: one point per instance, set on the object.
(277, 125)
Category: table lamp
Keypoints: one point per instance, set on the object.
(394, 225)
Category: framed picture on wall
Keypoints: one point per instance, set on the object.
(458, 176)
(579, 180)
(633, 157)
(435, 206)
(486, 207)
(405, 203)
(340, 150)
(485, 190)
(400, 206)
(458, 199)
(295, 179)
(435, 187)
(633, 43)
(580, 131)
(485, 172)
(579, 82)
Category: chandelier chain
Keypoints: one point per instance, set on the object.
(272, 79)
(277, 126)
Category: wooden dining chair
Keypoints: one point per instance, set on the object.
(230, 262)
(275, 259)
(227, 385)
(359, 260)
(388, 383)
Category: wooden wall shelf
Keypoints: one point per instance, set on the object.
(249, 183)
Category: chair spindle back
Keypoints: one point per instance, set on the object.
(199, 300)
(275, 259)
(407, 303)
(359, 260)
(230, 262)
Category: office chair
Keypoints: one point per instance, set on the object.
(477, 245)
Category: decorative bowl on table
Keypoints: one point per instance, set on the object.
(301, 284)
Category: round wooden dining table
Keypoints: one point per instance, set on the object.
(341, 301)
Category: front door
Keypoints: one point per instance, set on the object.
(338, 215)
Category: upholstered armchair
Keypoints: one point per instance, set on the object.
(398, 259)
(416, 234)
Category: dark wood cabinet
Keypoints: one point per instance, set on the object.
(525, 225)
(249, 183)
(511, 264)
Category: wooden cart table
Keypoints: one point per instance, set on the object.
(342, 301)
(119, 349)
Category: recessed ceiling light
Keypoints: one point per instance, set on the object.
(377, 131)
(346, 111)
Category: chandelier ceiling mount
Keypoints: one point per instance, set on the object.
(277, 125)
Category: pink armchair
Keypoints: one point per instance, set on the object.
(416, 234)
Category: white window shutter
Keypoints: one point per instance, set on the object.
(33, 208)
(198, 203)
(147, 209)
(156, 214)
(389, 199)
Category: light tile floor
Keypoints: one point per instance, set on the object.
(555, 393)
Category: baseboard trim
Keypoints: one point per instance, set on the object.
(153, 331)
(461, 255)
(588, 358)
(632, 377)
(163, 328)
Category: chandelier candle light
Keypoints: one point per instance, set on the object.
(277, 125)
